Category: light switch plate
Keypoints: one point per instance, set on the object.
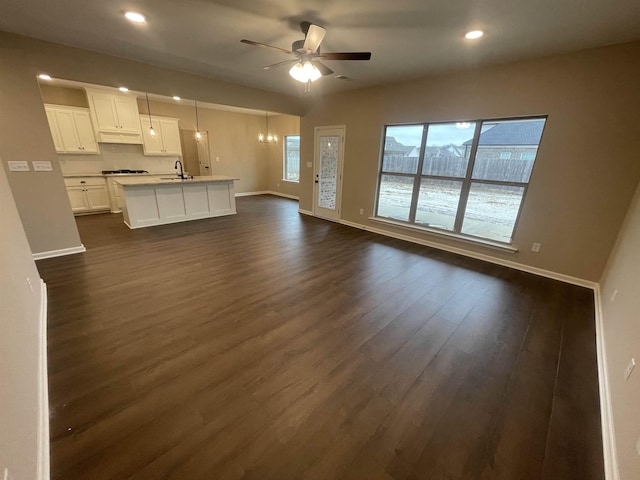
(309, 164)
(42, 166)
(18, 166)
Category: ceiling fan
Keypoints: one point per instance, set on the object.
(307, 66)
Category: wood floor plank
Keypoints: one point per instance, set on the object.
(273, 345)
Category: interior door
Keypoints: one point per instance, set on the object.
(204, 157)
(328, 162)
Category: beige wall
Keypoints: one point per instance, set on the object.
(281, 125)
(587, 166)
(20, 333)
(233, 143)
(24, 135)
(41, 197)
(72, 97)
(622, 338)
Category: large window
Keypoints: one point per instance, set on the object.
(292, 158)
(463, 177)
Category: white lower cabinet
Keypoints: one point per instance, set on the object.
(88, 194)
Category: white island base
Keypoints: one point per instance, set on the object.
(158, 201)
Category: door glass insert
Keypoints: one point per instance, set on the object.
(328, 172)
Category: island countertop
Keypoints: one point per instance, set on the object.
(171, 180)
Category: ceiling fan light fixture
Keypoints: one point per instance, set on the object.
(305, 72)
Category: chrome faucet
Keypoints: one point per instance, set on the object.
(175, 166)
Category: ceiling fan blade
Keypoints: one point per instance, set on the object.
(258, 44)
(346, 56)
(280, 64)
(324, 70)
(314, 38)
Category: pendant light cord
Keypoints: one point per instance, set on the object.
(197, 124)
(149, 110)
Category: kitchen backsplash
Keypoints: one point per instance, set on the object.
(115, 156)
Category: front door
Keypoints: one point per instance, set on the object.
(328, 161)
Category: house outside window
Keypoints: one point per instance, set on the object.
(466, 178)
(291, 165)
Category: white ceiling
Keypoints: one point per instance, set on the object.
(407, 38)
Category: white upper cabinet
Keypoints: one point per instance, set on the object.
(71, 129)
(114, 116)
(55, 132)
(166, 141)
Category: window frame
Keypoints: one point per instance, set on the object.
(285, 159)
(467, 181)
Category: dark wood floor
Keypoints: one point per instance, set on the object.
(270, 345)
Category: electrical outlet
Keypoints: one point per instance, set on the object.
(6, 474)
(629, 369)
(362, 211)
(278, 184)
(536, 247)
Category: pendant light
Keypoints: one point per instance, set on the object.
(152, 132)
(198, 134)
(267, 137)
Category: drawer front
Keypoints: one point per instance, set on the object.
(84, 181)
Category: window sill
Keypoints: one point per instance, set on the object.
(290, 181)
(457, 236)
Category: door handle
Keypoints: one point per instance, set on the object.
(317, 180)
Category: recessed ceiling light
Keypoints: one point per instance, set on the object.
(176, 98)
(123, 89)
(472, 35)
(135, 17)
(44, 76)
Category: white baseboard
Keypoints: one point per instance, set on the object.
(248, 194)
(305, 212)
(59, 253)
(285, 195)
(609, 451)
(479, 256)
(43, 465)
(267, 192)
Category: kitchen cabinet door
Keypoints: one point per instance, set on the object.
(104, 111)
(78, 199)
(97, 197)
(170, 137)
(166, 141)
(84, 131)
(68, 132)
(53, 126)
(127, 112)
(152, 144)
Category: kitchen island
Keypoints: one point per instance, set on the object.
(150, 201)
